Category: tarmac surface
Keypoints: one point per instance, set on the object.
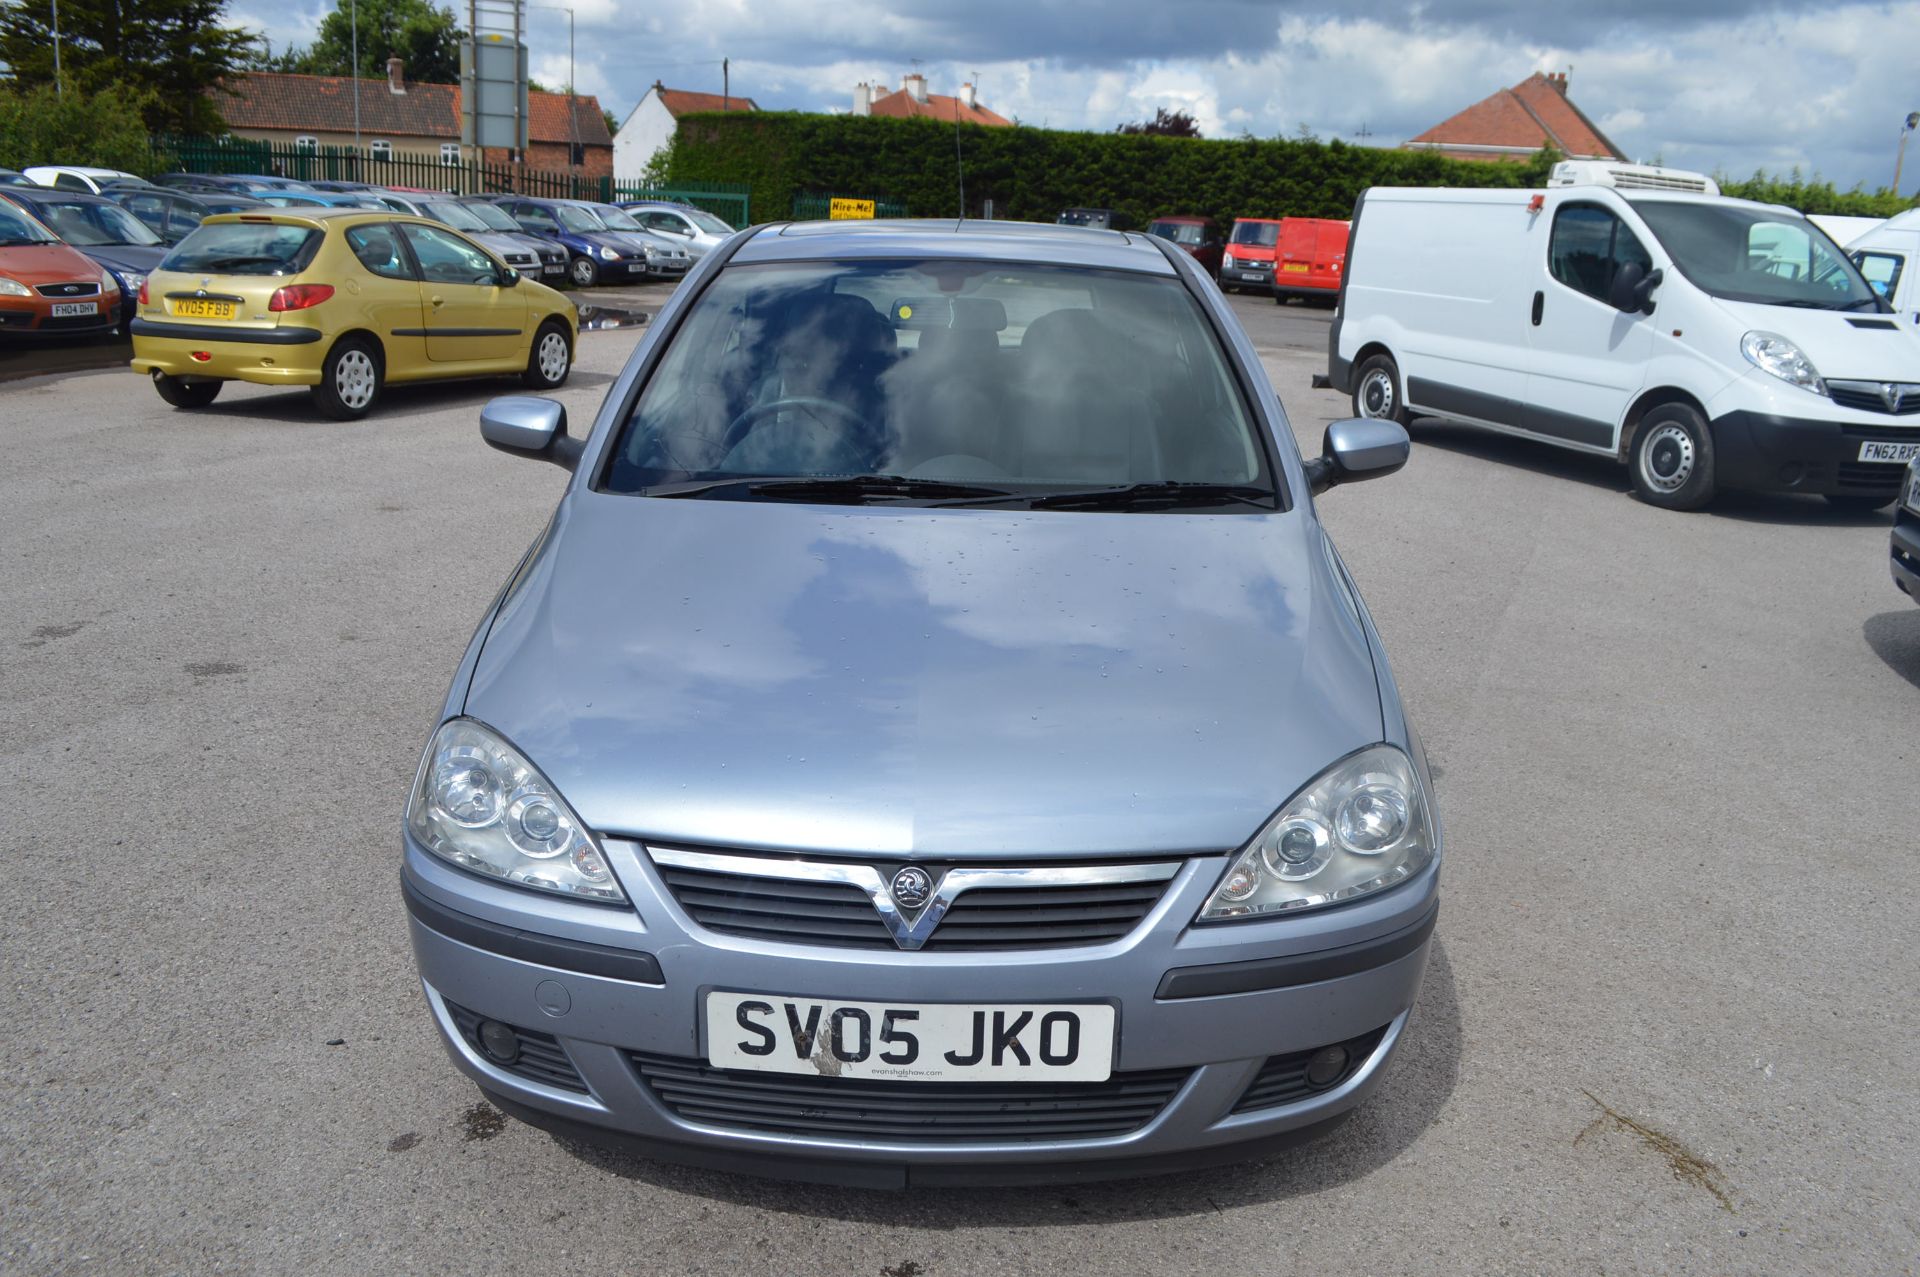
(1669, 1024)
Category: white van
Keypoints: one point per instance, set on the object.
(1886, 255)
(1705, 342)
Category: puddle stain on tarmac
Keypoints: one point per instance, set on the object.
(595, 319)
(1682, 1162)
(482, 1122)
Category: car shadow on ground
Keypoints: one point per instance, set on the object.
(1417, 1084)
(1600, 472)
(1895, 639)
(295, 407)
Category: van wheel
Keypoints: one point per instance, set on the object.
(1860, 502)
(198, 394)
(1376, 391)
(583, 272)
(1672, 459)
(551, 358)
(350, 378)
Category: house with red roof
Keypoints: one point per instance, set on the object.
(1514, 123)
(911, 100)
(650, 125)
(566, 132)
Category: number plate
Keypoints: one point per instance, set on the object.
(1880, 450)
(1300, 266)
(199, 308)
(63, 309)
(912, 1042)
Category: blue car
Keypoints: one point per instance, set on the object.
(595, 254)
(173, 214)
(123, 244)
(935, 738)
(281, 197)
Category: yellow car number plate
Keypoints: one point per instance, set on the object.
(197, 308)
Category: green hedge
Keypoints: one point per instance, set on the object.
(104, 129)
(1031, 174)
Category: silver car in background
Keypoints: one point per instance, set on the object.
(695, 228)
(517, 251)
(934, 739)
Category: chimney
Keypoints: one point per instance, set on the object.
(863, 98)
(396, 76)
(966, 95)
(916, 86)
(1558, 79)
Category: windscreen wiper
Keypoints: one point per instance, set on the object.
(851, 489)
(1164, 495)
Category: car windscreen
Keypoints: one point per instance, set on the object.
(705, 221)
(16, 228)
(492, 216)
(1180, 232)
(617, 219)
(244, 248)
(458, 216)
(95, 225)
(577, 219)
(1760, 255)
(1259, 234)
(1020, 380)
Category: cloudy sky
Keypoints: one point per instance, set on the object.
(1711, 84)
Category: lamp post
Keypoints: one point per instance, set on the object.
(1900, 159)
(573, 87)
(59, 89)
(353, 14)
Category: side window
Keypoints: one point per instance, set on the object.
(538, 218)
(1881, 271)
(1588, 245)
(181, 217)
(378, 250)
(150, 209)
(70, 182)
(445, 258)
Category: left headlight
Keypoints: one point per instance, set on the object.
(608, 255)
(480, 804)
(13, 288)
(1361, 826)
(1770, 352)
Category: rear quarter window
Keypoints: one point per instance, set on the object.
(245, 248)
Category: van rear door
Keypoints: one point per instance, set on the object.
(1588, 360)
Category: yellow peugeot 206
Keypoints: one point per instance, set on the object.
(343, 301)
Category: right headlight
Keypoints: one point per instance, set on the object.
(1361, 826)
(1770, 352)
(482, 805)
(608, 255)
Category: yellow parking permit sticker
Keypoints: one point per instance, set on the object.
(906, 312)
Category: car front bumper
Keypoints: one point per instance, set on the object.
(1903, 552)
(605, 998)
(1244, 277)
(1762, 452)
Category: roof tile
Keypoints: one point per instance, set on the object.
(1532, 114)
(324, 103)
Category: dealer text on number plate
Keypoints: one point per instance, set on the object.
(1881, 450)
(924, 1042)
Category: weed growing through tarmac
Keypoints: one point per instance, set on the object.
(1686, 1165)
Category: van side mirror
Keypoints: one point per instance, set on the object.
(1359, 448)
(528, 426)
(1632, 288)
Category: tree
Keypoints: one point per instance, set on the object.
(169, 54)
(613, 125)
(421, 34)
(1164, 123)
(39, 126)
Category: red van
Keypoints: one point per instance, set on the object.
(1199, 236)
(1248, 262)
(1312, 253)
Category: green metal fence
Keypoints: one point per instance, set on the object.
(818, 208)
(451, 172)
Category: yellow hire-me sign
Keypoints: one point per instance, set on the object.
(838, 209)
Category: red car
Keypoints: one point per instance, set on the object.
(46, 288)
(1199, 236)
(1311, 254)
(1248, 262)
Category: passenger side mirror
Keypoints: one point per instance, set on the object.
(1632, 289)
(509, 277)
(528, 426)
(1358, 448)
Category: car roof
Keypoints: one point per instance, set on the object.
(82, 169)
(47, 194)
(1037, 242)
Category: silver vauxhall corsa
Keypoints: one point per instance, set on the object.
(934, 739)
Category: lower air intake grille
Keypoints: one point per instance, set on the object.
(911, 1112)
(539, 1056)
(1284, 1079)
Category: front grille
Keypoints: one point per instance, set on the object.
(1873, 476)
(1049, 915)
(68, 290)
(1283, 1079)
(540, 1058)
(1866, 397)
(914, 1112)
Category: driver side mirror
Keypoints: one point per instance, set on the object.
(528, 426)
(509, 277)
(1358, 448)
(1632, 288)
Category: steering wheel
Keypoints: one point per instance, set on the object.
(737, 429)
